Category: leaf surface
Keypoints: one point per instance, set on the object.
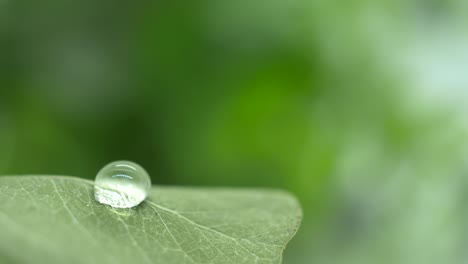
(55, 219)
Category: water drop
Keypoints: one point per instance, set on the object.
(122, 184)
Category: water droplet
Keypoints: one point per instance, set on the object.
(122, 184)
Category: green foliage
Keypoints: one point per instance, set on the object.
(53, 219)
(357, 107)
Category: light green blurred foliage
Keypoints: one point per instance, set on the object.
(317, 97)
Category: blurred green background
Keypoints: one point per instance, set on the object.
(357, 107)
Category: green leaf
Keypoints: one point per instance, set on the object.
(54, 219)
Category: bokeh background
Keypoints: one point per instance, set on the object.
(357, 107)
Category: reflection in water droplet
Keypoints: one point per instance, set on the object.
(122, 184)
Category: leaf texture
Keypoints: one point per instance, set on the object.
(55, 219)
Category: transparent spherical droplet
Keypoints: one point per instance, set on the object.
(122, 184)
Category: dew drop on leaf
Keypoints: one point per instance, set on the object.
(122, 184)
